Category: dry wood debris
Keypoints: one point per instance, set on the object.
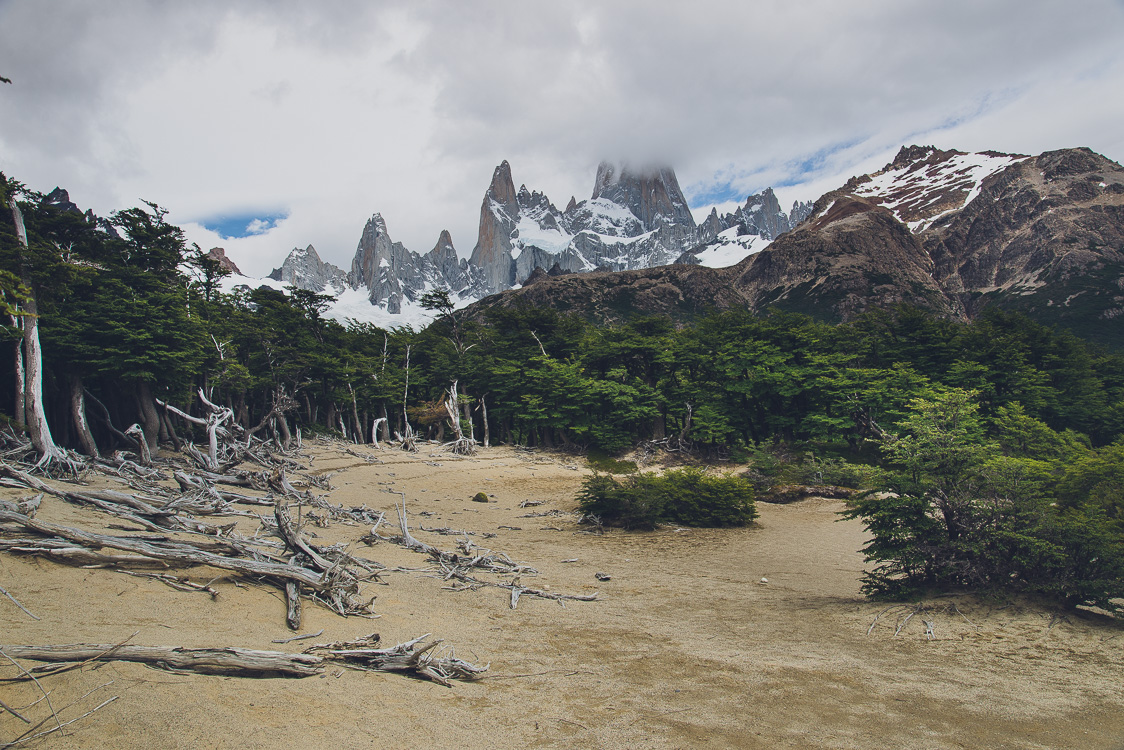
(461, 566)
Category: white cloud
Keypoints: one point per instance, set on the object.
(335, 110)
(258, 226)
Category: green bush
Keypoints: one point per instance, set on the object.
(683, 496)
(952, 513)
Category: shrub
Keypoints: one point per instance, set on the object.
(684, 496)
(952, 514)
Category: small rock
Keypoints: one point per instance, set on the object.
(764, 580)
(480, 497)
(602, 576)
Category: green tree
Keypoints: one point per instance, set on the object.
(952, 513)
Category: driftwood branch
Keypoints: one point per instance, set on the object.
(426, 660)
(229, 661)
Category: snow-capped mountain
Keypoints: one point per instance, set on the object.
(305, 270)
(636, 217)
(725, 240)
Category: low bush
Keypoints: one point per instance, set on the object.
(687, 496)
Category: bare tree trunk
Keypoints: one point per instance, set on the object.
(384, 429)
(149, 418)
(357, 429)
(283, 428)
(34, 410)
(20, 408)
(487, 431)
(78, 412)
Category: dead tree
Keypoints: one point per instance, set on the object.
(35, 414)
(461, 445)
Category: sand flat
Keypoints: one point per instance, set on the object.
(685, 648)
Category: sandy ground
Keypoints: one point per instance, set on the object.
(687, 646)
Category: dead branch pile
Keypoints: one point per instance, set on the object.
(277, 555)
(427, 660)
(463, 565)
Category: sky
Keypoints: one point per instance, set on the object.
(284, 123)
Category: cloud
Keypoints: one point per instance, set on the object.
(339, 109)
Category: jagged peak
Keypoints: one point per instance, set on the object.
(502, 187)
(444, 245)
(376, 224)
(650, 191)
(59, 199)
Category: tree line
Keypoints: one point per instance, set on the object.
(130, 318)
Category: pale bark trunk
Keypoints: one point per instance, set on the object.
(20, 408)
(484, 415)
(357, 429)
(34, 411)
(78, 412)
(148, 415)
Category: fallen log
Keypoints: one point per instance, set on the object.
(426, 661)
(223, 661)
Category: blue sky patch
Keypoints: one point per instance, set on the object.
(236, 226)
(715, 194)
(801, 169)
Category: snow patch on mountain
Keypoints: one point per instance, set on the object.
(731, 248)
(924, 184)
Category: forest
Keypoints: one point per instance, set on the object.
(118, 322)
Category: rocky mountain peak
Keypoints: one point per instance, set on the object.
(502, 188)
(652, 193)
(304, 269)
(59, 200)
(218, 255)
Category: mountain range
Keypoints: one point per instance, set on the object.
(636, 218)
(945, 230)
